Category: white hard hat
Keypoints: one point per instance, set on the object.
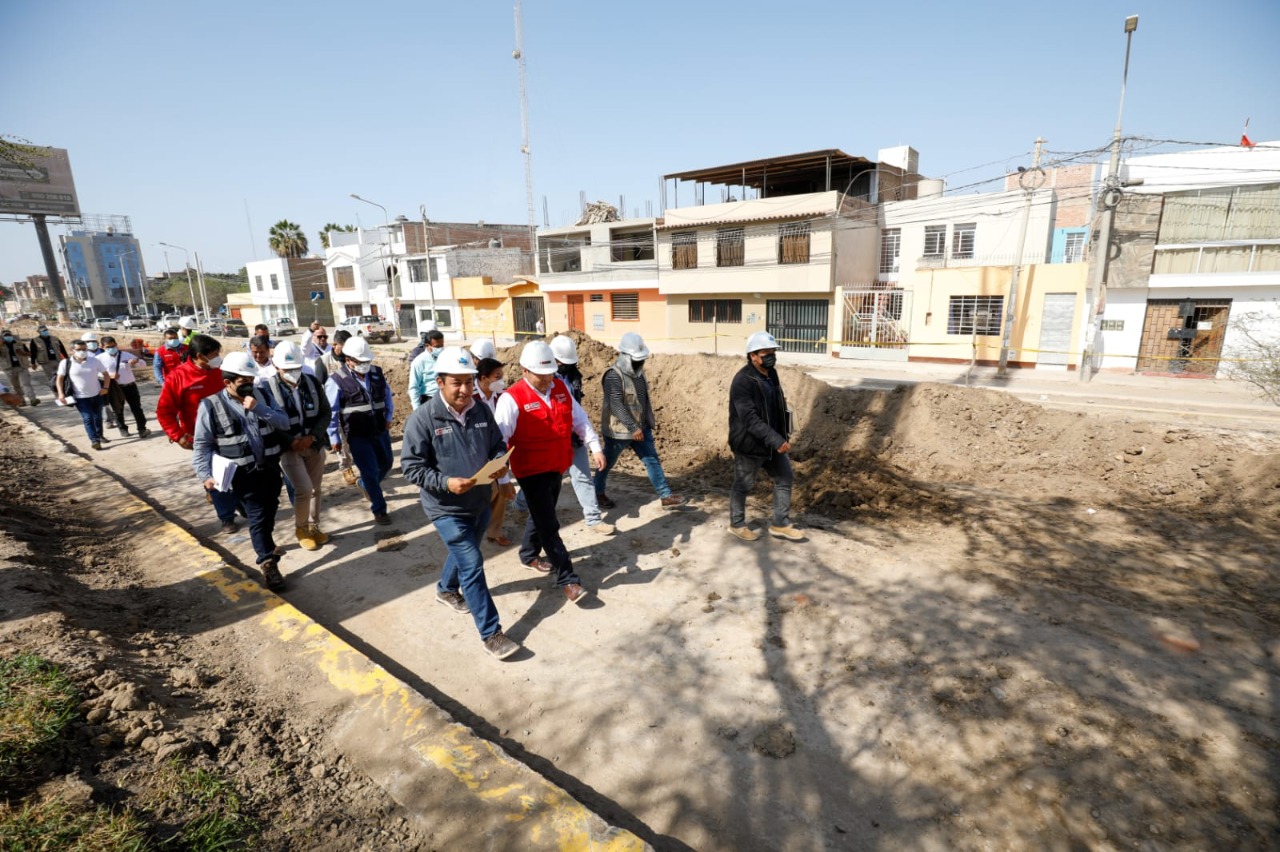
(537, 357)
(565, 350)
(90, 336)
(455, 361)
(483, 348)
(357, 348)
(761, 340)
(286, 356)
(187, 322)
(633, 344)
(240, 364)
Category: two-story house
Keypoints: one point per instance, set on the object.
(283, 287)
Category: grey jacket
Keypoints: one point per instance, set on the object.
(436, 447)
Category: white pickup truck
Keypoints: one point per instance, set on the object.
(370, 327)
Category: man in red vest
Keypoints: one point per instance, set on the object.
(537, 416)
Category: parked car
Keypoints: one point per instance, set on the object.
(135, 322)
(168, 321)
(105, 324)
(282, 326)
(231, 328)
(370, 327)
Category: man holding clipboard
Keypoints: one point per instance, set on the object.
(454, 452)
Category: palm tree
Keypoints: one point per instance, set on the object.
(324, 232)
(287, 239)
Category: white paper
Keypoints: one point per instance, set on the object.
(224, 470)
(485, 474)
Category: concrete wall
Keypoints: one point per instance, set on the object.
(597, 317)
(761, 273)
(1073, 186)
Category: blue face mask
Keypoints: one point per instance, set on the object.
(111, 350)
(44, 332)
(172, 344)
(8, 338)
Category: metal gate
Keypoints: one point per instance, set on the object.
(875, 326)
(529, 313)
(799, 324)
(1183, 336)
(1055, 329)
(408, 322)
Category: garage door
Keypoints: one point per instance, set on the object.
(799, 324)
(1055, 329)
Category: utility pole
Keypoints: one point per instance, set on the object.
(204, 294)
(1095, 293)
(426, 241)
(1030, 180)
(518, 55)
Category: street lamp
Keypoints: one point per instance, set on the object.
(386, 219)
(128, 297)
(190, 286)
(1095, 291)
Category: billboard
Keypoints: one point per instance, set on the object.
(37, 180)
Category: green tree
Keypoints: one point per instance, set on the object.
(324, 232)
(287, 239)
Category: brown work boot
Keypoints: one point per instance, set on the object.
(319, 535)
(539, 565)
(271, 576)
(745, 533)
(500, 646)
(575, 593)
(672, 501)
(788, 532)
(306, 539)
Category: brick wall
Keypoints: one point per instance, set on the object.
(502, 265)
(1074, 188)
(460, 233)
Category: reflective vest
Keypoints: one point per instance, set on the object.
(304, 421)
(170, 359)
(228, 430)
(541, 440)
(363, 415)
(613, 427)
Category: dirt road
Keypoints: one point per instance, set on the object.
(1010, 627)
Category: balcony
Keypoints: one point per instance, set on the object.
(1227, 256)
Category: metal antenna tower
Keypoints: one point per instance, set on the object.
(518, 55)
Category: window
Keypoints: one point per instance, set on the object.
(890, 247)
(597, 297)
(715, 310)
(1073, 248)
(625, 306)
(684, 250)
(1112, 325)
(962, 241)
(730, 247)
(420, 268)
(636, 245)
(344, 278)
(444, 317)
(275, 281)
(975, 315)
(258, 280)
(793, 242)
(935, 240)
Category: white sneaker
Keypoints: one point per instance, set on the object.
(602, 528)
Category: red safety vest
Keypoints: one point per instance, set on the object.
(541, 440)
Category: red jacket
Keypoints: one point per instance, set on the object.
(542, 440)
(180, 398)
(170, 359)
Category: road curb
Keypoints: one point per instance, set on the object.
(466, 789)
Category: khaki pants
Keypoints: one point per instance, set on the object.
(305, 470)
(20, 381)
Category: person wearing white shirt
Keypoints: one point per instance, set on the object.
(124, 385)
(489, 386)
(86, 380)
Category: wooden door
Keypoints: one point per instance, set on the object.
(575, 313)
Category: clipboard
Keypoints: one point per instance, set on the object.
(485, 474)
(224, 470)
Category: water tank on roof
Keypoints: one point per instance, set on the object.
(930, 188)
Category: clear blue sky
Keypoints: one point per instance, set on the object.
(177, 113)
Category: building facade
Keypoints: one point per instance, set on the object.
(283, 287)
(105, 270)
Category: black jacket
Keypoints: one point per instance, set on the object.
(756, 428)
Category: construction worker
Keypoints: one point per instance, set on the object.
(537, 416)
(482, 348)
(759, 436)
(241, 426)
(566, 352)
(46, 352)
(446, 441)
(179, 404)
(168, 356)
(627, 420)
(85, 379)
(124, 386)
(189, 328)
(295, 390)
(18, 364)
(422, 372)
(361, 406)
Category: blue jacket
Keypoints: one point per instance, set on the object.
(436, 447)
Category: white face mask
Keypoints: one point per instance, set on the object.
(497, 386)
(215, 362)
(79, 354)
(291, 376)
(362, 367)
(91, 346)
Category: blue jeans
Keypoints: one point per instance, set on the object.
(91, 413)
(464, 567)
(372, 457)
(225, 504)
(648, 454)
(580, 478)
(258, 490)
(745, 469)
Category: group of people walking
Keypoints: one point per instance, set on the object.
(268, 417)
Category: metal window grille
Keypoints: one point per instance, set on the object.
(890, 247)
(731, 247)
(275, 282)
(624, 306)
(935, 240)
(419, 270)
(962, 241)
(793, 242)
(1073, 248)
(684, 250)
(344, 278)
(715, 310)
(597, 297)
(975, 314)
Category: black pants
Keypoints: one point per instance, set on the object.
(258, 490)
(128, 395)
(542, 530)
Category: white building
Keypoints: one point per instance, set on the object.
(283, 287)
(356, 266)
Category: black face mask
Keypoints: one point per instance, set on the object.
(636, 366)
(244, 391)
(767, 361)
